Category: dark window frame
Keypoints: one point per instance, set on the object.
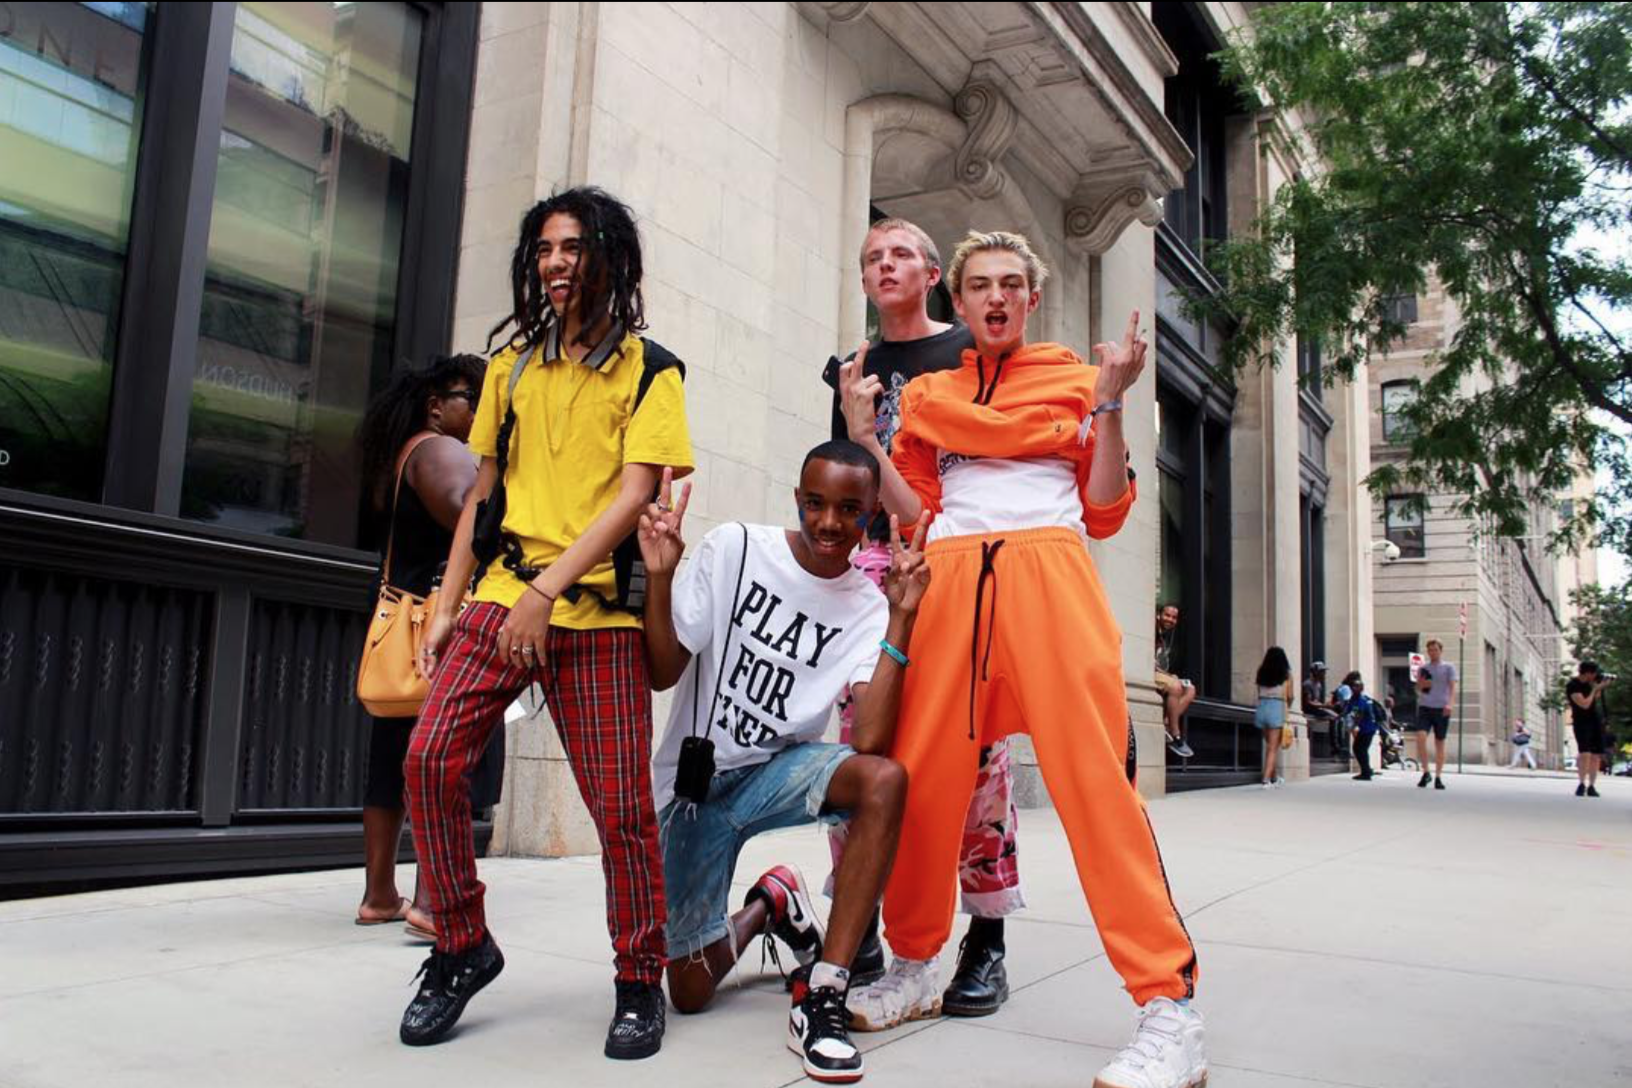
(161, 302)
(1198, 105)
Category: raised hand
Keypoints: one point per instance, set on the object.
(908, 576)
(1120, 364)
(661, 544)
(858, 397)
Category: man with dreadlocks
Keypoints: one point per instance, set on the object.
(579, 417)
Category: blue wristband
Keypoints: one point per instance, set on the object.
(901, 658)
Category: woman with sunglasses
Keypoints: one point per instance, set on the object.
(416, 426)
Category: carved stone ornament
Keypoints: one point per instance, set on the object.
(992, 121)
(1097, 216)
(844, 12)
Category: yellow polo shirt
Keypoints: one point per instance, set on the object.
(575, 430)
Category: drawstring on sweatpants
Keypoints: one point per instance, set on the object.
(977, 662)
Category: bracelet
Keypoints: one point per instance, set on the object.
(547, 596)
(1108, 406)
(901, 658)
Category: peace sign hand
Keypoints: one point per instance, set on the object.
(858, 397)
(661, 544)
(1120, 364)
(908, 577)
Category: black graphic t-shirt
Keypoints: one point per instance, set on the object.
(897, 362)
(791, 644)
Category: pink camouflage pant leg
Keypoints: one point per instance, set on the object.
(989, 862)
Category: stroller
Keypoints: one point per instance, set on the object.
(1393, 749)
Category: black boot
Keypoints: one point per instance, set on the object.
(868, 965)
(981, 984)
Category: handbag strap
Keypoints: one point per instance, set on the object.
(396, 492)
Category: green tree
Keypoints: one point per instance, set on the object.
(1603, 633)
(1489, 145)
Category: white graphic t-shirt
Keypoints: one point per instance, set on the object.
(783, 645)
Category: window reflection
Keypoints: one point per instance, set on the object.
(72, 79)
(300, 300)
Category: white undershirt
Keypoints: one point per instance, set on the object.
(1000, 495)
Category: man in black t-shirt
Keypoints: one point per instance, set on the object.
(1585, 694)
(900, 267)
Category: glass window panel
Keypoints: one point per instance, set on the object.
(300, 304)
(1404, 525)
(72, 79)
(1397, 396)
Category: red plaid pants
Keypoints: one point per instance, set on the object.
(596, 688)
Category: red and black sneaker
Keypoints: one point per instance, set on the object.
(789, 914)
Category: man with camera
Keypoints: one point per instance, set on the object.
(1436, 681)
(1586, 693)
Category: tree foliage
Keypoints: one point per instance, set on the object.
(1486, 145)
(1602, 632)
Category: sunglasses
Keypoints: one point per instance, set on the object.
(469, 396)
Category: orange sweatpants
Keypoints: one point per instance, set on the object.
(1015, 636)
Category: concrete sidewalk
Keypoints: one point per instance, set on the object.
(1349, 934)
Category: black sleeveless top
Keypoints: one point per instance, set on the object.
(419, 544)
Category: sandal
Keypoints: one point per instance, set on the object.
(401, 915)
(426, 932)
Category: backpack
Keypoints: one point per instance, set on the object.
(490, 542)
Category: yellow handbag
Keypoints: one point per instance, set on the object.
(388, 681)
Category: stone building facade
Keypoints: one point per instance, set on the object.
(757, 140)
(1513, 593)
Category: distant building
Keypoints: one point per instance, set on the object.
(1514, 592)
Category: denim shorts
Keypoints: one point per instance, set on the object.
(1271, 714)
(701, 843)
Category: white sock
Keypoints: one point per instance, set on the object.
(828, 974)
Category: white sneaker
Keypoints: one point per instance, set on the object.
(909, 990)
(1266, 785)
(1168, 1051)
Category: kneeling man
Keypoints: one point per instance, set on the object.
(762, 632)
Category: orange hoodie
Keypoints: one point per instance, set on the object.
(1029, 404)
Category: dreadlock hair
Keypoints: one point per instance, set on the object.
(397, 413)
(609, 269)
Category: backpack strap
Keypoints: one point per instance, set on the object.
(656, 359)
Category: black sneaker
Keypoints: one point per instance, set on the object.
(450, 980)
(818, 1031)
(1592, 791)
(1581, 790)
(637, 1023)
(980, 985)
(1177, 746)
(1439, 783)
(1422, 783)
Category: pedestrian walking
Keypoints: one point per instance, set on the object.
(1521, 745)
(1436, 683)
(418, 470)
(1274, 696)
(1365, 716)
